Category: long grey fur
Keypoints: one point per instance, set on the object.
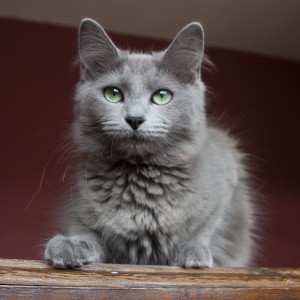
(172, 192)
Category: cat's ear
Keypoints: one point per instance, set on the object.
(183, 57)
(97, 53)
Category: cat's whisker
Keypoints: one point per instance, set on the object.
(60, 160)
(57, 145)
(100, 151)
(66, 169)
(93, 124)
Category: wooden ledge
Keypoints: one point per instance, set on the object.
(35, 280)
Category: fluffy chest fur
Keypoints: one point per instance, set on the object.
(136, 208)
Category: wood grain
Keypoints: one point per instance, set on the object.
(35, 280)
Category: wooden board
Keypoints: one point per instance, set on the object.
(21, 279)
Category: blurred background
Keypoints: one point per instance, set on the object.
(254, 90)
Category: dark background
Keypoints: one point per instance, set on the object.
(256, 97)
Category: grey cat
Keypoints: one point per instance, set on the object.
(155, 183)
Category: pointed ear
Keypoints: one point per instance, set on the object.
(183, 57)
(97, 53)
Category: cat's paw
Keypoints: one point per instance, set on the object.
(71, 252)
(191, 256)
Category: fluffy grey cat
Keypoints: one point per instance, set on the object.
(155, 183)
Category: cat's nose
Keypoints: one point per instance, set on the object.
(134, 122)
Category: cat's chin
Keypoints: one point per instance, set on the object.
(138, 143)
(138, 137)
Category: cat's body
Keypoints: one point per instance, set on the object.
(155, 184)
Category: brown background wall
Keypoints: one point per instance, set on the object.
(256, 97)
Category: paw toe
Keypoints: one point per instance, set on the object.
(70, 253)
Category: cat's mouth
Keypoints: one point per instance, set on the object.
(136, 137)
(139, 139)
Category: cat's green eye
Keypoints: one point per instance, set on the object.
(161, 97)
(113, 94)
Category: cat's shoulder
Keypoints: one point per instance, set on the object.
(221, 138)
(221, 145)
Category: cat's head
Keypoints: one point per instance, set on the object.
(140, 105)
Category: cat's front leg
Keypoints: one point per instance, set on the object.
(191, 255)
(72, 252)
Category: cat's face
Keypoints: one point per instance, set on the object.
(138, 104)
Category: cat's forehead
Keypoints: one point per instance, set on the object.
(139, 72)
(140, 64)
